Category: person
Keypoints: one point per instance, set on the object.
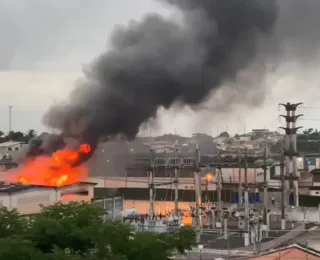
(272, 200)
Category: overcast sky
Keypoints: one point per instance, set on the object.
(44, 45)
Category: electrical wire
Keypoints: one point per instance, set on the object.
(310, 119)
(310, 107)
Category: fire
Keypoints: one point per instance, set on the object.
(209, 177)
(56, 170)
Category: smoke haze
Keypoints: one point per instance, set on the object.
(157, 62)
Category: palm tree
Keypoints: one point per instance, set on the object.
(30, 134)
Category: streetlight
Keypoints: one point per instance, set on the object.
(10, 118)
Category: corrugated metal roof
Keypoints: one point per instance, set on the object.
(10, 143)
(290, 253)
(12, 188)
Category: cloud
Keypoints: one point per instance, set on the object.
(44, 34)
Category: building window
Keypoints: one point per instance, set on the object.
(317, 192)
(17, 148)
(9, 148)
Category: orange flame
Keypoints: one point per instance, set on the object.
(56, 170)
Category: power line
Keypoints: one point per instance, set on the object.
(310, 107)
(301, 107)
(310, 119)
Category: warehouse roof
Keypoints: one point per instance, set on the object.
(9, 143)
(12, 187)
(294, 251)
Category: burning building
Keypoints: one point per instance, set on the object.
(61, 168)
(27, 198)
(160, 62)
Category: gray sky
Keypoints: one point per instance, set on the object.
(44, 45)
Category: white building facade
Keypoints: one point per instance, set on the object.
(28, 199)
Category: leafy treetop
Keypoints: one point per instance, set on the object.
(78, 231)
(18, 136)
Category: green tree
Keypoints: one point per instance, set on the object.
(79, 231)
(224, 135)
(30, 134)
(69, 226)
(2, 136)
(11, 223)
(15, 136)
(18, 249)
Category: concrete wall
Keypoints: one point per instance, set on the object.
(142, 206)
(7, 149)
(276, 195)
(141, 182)
(314, 192)
(29, 201)
(303, 214)
(184, 183)
(300, 214)
(228, 174)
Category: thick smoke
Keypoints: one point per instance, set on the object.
(44, 144)
(159, 62)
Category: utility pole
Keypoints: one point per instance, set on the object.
(246, 186)
(294, 155)
(290, 151)
(197, 179)
(176, 185)
(265, 187)
(151, 185)
(10, 118)
(198, 194)
(219, 188)
(282, 164)
(239, 181)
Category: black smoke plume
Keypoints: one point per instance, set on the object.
(158, 62)
(45, 144)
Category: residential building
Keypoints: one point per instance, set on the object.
(10, 149)
(10, 146)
